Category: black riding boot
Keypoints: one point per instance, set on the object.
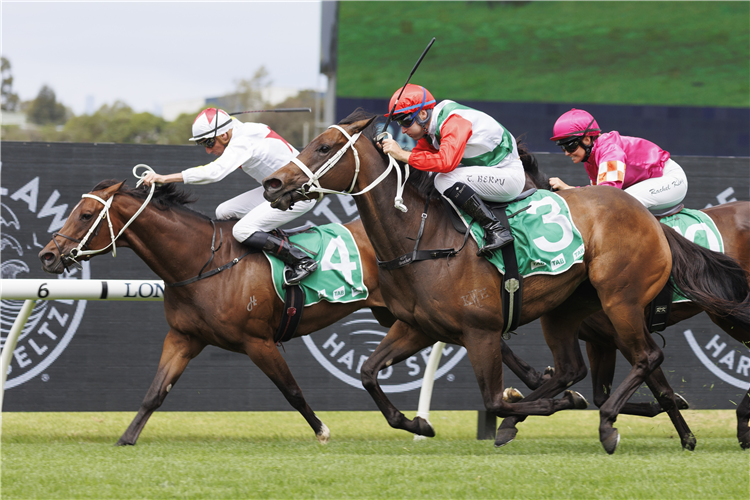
(298, 264)
(495, 234)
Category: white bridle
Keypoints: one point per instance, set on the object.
(78, 252)
(313, 185)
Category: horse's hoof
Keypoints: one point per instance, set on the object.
(689, 442)
(122, 442)
(424, 427)
(579, 402)
(549, 372)
(324, 435)
(744, 439)
(512, 395)
(505, 436)
(611, 440)
(682, 403)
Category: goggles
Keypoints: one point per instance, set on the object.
(406, 120)
(569, 144)
(206, 143)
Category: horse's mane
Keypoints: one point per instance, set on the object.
(166, 196)
(419, 179)
(531, 167)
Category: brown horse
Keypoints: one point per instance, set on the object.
(175, 241)
(622, 271)
(733, 221)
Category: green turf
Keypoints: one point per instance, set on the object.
(275, 455)
(643, 53)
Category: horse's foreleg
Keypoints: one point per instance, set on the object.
(401, 342)
(266, 356)
(177, 352)
(569, 369)
(528, 375)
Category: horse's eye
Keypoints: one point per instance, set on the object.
(324, 148)
(86, 217)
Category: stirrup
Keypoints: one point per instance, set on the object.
(293, 275)
(501, 239)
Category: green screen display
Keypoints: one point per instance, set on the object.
(637, 53)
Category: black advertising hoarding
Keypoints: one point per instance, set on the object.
(102, 356)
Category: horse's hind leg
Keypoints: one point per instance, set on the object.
(177, 352)
(743, 415)
(401, 342)
(265, 354)
(645, 356)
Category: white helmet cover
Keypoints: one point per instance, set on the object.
(205, 125)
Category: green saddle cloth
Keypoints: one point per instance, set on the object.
(698, 228)
(339, 275)
(546, 239)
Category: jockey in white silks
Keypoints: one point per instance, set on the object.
(258, 151)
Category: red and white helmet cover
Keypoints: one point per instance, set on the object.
(205, 126)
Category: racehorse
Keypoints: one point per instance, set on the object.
(733, 221)
(627, 261)
(175, 241)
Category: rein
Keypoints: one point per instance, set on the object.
(313, 185)
(79, 251)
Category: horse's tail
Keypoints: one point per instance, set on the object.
(531, 167)
(712, 280)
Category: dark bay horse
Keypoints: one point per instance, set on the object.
(175, 242)
(733, 221)
(628, 259)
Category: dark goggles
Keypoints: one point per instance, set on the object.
(569, 144)
(406, 120)
(207, 143)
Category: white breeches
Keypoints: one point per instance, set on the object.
(662, 192)
(256, 214)
(502, 182)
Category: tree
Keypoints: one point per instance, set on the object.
(45, 109)
(116, 123)
(9, 100)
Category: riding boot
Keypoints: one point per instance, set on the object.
(495, 234)
(298, 264)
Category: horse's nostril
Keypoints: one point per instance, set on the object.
(273, 183)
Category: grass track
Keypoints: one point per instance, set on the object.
(274, 455)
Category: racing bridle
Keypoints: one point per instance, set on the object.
(313, 184)
(81, 250)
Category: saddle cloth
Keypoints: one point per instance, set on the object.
(339, 276)
(546, 238)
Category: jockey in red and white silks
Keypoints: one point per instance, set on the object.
(258, 151)
(474, 156)
(637, 166)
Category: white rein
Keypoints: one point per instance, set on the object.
(104, 214)
(313, 185)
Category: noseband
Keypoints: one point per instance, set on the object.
(313, 184)
(80, 251)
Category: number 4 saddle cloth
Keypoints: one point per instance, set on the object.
(339, 274)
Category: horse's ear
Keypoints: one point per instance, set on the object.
(360, 125)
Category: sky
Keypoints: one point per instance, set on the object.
(147, 54)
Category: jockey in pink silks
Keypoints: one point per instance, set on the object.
(637, 166)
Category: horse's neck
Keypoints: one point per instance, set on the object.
(166, 240)
(391, 231)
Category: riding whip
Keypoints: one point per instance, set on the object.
(390, 115)
(277, 110)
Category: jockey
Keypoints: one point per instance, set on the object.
(474, 157)
(258, 151)
(635, 165)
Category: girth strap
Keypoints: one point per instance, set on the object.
(661, 306)
(292, 315)
(512, 286)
